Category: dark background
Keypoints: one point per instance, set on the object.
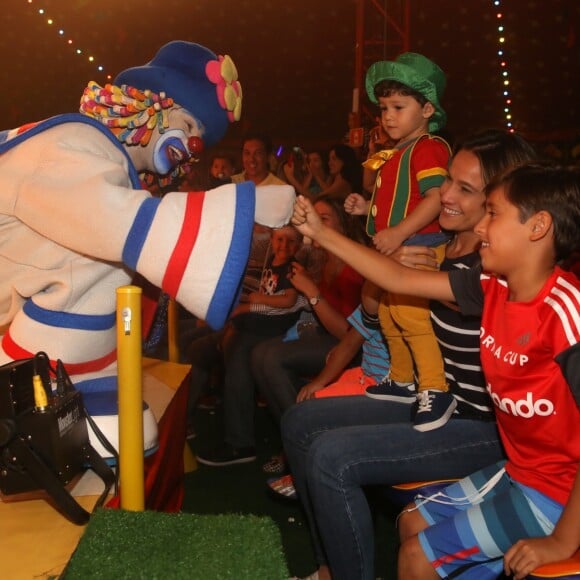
(296, 58)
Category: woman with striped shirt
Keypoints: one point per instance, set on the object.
(337, 446)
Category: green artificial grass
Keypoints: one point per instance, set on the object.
(150, 545)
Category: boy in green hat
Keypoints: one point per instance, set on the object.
(403, 211)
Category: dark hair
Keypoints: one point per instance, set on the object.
(263, 139)
(388, 87)
(229, 158)
(497, 151)
(323, 157)
(352, 226)
(552, 188)
(351, 169)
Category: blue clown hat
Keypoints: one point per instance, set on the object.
(197, 79)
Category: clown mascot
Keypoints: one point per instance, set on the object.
(75, 224)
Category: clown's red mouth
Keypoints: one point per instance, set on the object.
(175, 154)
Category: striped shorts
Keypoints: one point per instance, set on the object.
(473, 522)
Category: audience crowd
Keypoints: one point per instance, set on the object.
(369, 384)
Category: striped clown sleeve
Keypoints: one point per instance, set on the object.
(195, 246)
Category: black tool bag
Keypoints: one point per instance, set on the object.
(44, 441)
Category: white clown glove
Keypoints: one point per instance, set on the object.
(274, 205)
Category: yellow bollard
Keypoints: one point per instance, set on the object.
(130, 381)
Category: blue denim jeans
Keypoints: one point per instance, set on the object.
(337, 446)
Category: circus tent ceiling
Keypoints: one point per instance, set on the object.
(296, 59)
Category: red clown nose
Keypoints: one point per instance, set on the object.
(195, 146)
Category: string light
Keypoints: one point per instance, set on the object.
(505, 80)
(70, 41)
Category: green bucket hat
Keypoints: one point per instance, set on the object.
(418, 73)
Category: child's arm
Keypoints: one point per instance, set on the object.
(339, 187)
(526, 555)
(332, 320)
(356, 204)
(369, 178)
(377, 141)
(382, 270)
(416, 257)
(388, 240)
(336, 362)
(347, 348)
(241, 308)
(301, 188)
(284, 299)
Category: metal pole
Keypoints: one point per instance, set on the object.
(358, 59)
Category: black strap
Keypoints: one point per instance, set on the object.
(37, 469)
(102, 469)
(27, 458)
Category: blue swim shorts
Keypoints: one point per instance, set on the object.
(473, 522)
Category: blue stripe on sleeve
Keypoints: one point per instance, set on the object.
(139, 230)
(227, 288)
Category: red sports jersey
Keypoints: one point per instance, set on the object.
(538, 418)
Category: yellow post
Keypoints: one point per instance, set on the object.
(131, 463)
(173, 331)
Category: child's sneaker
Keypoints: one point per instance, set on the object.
(283, 486)
(433, 409)
(391, 391)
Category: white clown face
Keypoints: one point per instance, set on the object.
(168, 149)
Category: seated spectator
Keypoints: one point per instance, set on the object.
(283, 365)
(316, 177)
(256, 150)
(266, 313)
(221, 169)
(205, 351)
(337, 446)
(345, 172)
(192, 176)
(334, 381)
(364, 333)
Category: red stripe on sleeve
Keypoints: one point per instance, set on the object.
(185, 243)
